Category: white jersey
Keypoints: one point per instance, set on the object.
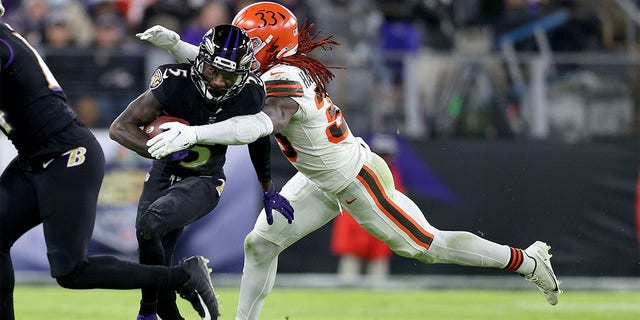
(317, 140)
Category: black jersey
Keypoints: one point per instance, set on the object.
(32, 104)
(172, 86)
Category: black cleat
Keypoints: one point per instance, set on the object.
(198, 290)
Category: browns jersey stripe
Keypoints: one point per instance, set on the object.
(392, 211)
(516, 259)
(284, 88)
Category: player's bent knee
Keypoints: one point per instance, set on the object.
(259, 248)
(150, 226)
(251, 244)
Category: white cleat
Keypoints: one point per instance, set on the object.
(543, 276)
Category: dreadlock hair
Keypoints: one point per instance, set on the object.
(317, 70)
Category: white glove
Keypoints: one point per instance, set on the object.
(177, 136)
(160, 37)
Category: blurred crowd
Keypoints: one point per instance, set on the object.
(399, 24)
(91, 45)
(375, 38)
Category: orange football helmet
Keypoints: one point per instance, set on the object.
(273, 30)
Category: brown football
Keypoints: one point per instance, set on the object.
(153, 129)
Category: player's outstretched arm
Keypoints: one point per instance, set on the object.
(235, 131)
(169, 40)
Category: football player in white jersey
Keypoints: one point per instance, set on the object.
(336, 170)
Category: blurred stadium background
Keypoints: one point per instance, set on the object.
(517, 120)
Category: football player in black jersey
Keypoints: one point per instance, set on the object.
(184, 186)
(55, 180)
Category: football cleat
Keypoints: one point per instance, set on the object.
(196, 302)
(543, 276)
(198, 290)
(147, 317)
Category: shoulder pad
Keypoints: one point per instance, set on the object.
(283, 81)
(167, 71)
(284, 88)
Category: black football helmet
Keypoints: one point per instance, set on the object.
(225, 51)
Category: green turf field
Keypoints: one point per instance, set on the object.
(54, 303)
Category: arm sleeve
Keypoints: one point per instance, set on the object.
(260, 153)
(184, 52)
(234, 131)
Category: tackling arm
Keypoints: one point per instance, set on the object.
(280, 110)
(234, 131)
(184, 52)
(248, 128)
(169, 40)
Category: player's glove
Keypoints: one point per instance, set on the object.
(273, 200)
(160, 36)
(177, 136)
